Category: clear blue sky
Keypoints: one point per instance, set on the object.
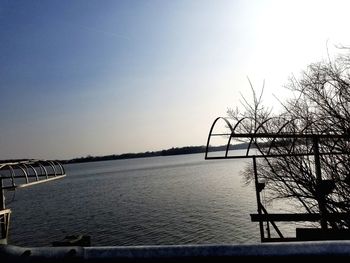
(104, 77)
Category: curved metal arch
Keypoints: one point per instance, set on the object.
(232, 133)
(279, 132)
(42, 168)
(26, 168)
(299, 130)
(3, 166)
(12, 172)
(326, 131)
(52, 165)
(62, 170)
(255, 132)
(24, 172)
(34, 170)
(241, 120)
(211, 131)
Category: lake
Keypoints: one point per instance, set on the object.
(181, 199)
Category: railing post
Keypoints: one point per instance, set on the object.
(268, 229)
(320, 195)
(2, 207)
(257, 190)
(2, 195)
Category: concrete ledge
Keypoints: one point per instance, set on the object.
(181, 253)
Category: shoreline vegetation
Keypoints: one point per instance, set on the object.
(167, 152)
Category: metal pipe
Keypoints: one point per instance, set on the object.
(320, 195)
(261, 226)
(272, 155)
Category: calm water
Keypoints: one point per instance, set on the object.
(150, 201)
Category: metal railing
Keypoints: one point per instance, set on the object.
(14, 175)
(263, 142)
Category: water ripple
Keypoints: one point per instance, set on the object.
(150, 201)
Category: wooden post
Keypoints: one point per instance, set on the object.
(257, 190)
(320, 195)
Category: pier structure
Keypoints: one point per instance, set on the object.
(279, 138)
(16, 175)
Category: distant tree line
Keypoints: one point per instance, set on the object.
(168, 152)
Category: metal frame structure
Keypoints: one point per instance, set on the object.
(14, 175)
(265, 139)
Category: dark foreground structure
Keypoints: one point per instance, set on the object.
(190, 253)
(278, 138)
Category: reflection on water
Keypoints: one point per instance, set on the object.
(149, 201)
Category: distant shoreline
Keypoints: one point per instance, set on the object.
(167, 152)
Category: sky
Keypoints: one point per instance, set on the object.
(102, 77)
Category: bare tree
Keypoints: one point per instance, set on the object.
(320, 105)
